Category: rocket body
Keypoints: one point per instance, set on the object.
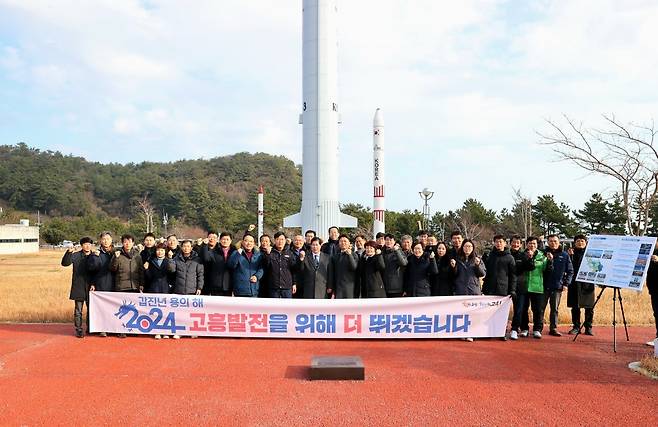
(320, 118)
(378, 223)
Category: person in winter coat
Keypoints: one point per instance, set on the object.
(148, 252)
(443, 283)
(246, 266)
(652, 287)
(98, 265)
(456, 241)
(79, 282)
(420, 267)
(315, 272)
(468, 269)
(395, 262)
(523, 264)
(128, 267)
(173, 246)
(309, 235)
(406, 242)
(501, 267)
(156, 274)
(370, 270)
(189, 271)
(342, 271)
(557, 280)
(543, 265)
(331, 246)
(360, 246)
(156, 271)
(297, 247)
(215, 258)
(265, 246)
(580, 294)
(281, 265)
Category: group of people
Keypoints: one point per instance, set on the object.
(306, 267)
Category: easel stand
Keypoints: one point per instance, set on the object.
(616, 294)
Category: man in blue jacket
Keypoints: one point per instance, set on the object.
(557, 280)
(247, 266)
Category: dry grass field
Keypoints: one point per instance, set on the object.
(35, 288)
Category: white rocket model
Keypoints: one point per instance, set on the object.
(378, 223)
(261, 212)
(320, 119)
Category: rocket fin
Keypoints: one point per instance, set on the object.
(348, 221)
(293, 220)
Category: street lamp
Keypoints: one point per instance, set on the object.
(426, 194)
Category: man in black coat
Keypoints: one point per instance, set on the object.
(456, 240)
(98, 266)
(330, 247)
(215, 256)
(523, 264)
(395, 262)
(315, 272)
(308, 239)
(297, 247)
(342, 272)
(580, 294)
(79, 282)
(148, 253)
(281, 265)
(501, 267)
(652, 286)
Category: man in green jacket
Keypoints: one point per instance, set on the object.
(535, 280)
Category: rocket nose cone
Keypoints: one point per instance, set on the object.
(378, 121)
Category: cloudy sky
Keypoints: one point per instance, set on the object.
(464, 86)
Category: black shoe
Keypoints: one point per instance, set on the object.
(79, 334)
(121, 336)
(588, 331)
(574, 331)
(555, 333)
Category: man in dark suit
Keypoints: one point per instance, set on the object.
(315, 272)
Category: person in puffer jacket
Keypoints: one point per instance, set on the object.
(468, 268)
(189, 271)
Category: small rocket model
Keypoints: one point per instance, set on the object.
(378, 223)
(261, 213)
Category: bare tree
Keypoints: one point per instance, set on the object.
(625, 153)
(463, 221)
(524, 206)
(145, 206)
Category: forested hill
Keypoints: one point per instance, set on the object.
(204, 193)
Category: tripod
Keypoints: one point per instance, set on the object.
(616, 294)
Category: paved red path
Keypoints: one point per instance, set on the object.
(48, 377)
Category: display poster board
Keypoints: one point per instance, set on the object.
(618, 261)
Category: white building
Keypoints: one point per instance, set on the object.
(19, 238)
